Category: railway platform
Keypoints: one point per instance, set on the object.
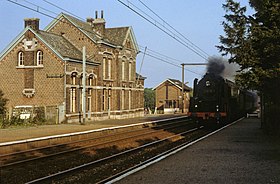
(26, 133)
(240, 153)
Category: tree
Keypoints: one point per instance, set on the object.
(253, 41)
(3, 102)
(149, 96)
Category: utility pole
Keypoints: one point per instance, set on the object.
(84, 86)
(183, 76)
(183, 73)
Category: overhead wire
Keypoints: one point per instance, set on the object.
(62, 9)
(38, 7)
(163, 29)
(183, 36)
(151, 53)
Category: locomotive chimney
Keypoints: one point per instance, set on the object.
(194, 86)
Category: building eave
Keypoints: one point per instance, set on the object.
(80, 61)
(106, 43)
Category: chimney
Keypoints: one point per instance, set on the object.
(32, 22)
(90, 19)
(99, 24)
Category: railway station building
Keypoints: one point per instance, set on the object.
(41, 71)
(169, 97)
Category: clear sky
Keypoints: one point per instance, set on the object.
(198, 20)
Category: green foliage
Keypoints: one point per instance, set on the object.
(149, 96)
(3, 102)
(254, 43)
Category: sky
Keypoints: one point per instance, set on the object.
(197, 20)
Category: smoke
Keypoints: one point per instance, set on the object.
(220, 66)
(215, 65)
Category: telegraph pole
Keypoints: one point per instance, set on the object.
(183, 76)
(183, 73)
(84, 86)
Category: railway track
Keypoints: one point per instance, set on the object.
(30, 165)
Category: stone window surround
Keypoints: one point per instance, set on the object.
(20, 59)
(39, 58)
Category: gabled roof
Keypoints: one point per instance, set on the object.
(57, 43)
(113, 36)
(81, 25)
(176, 83)
(116, 35)
(61, 45)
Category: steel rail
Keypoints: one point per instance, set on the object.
(94, 145)
(89, 164)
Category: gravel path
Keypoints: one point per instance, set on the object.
(239, 154)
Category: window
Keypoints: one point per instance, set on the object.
(39, 58)
(90, 80)
(129, 71)
(20, 59)
(129, 99)
(123, 69)
(109, 68)
(107, 62)
(123, 100)
(73, 100)
(103, 100)
(104, 68)
(73, 78)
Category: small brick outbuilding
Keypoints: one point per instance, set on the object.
(169, 96)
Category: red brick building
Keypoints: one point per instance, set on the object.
(169, 96)
(41, 71)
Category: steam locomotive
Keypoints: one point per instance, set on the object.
(217, 100)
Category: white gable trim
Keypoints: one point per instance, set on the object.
(130, 33)
(180, 87)
(159, 84)
(20, 37)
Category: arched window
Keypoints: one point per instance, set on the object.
(90, 80)
(73, 78)
(20, 59)
(39, 57)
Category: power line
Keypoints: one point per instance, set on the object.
(62, 9)
(174, 28)
(168, 62)
(158, 57)
(38, 7)
(165, 30)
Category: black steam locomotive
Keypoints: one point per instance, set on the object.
(218, 100)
